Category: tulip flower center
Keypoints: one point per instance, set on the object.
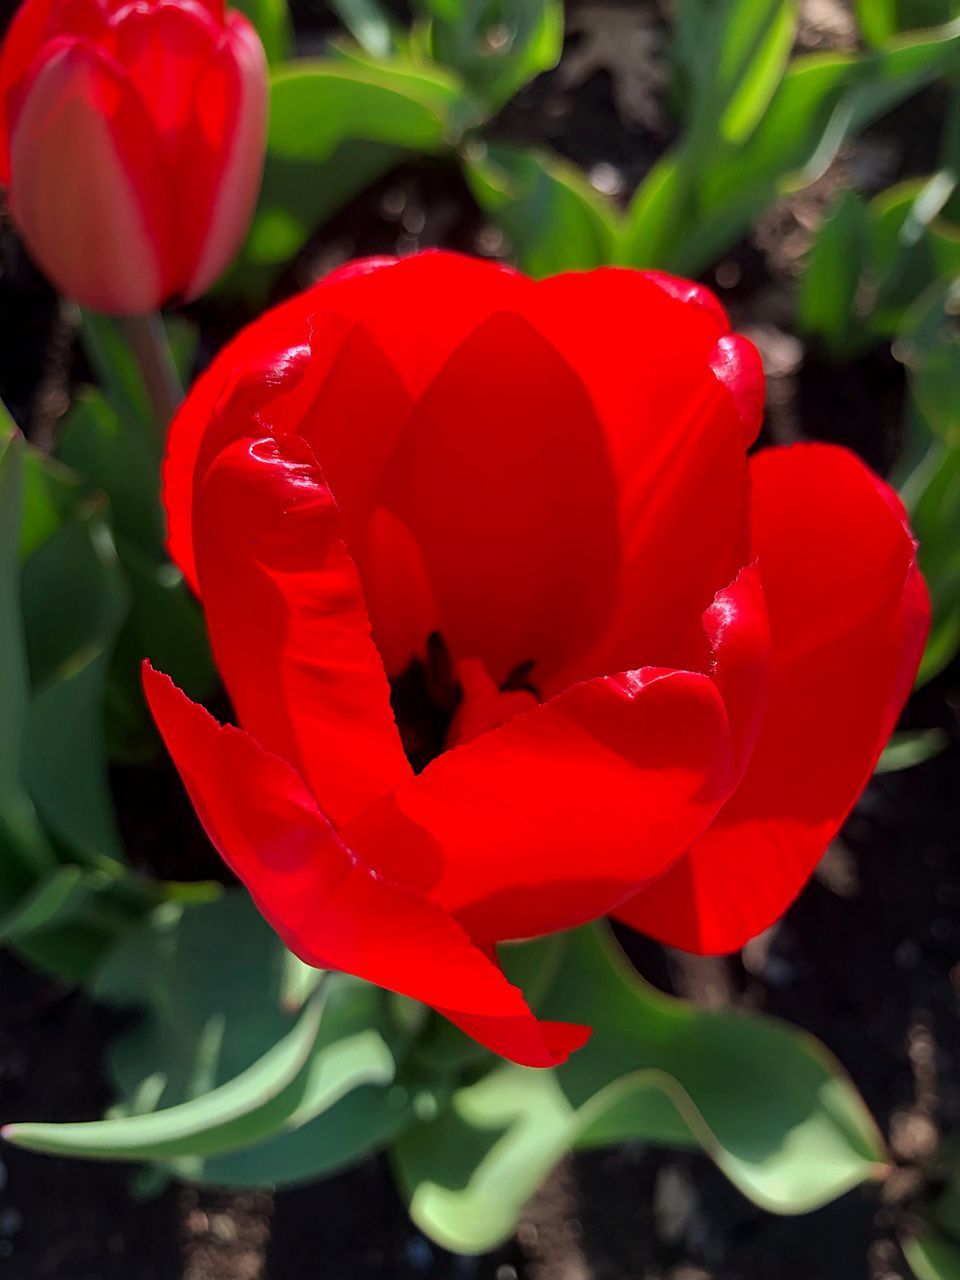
(439, 703)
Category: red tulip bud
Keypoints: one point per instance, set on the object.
(131, 141)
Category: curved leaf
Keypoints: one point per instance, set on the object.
(228, 1116)
(216, 1082)
(766, 1102)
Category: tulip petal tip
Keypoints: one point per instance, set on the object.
(737, 365)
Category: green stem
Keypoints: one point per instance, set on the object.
(148, 341)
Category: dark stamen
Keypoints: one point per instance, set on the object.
(519, 678)
(425, 698)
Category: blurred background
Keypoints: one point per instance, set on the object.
(802, 161)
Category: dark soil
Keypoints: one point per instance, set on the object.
(868, 959)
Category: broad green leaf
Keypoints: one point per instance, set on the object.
(337, 126)
(828, 292)
(317, 104)
(881, 19)
(932, 1256)
(271, 18)
(73, 604)
(495, 45)
(213, 984)
(24, 850)
(69, 919)
(225, 1117)
(554, 219)
(120, 456)
(165, 624)
(910, 748)
(766, 1102)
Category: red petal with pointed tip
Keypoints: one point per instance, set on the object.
(849, 619)
(329, 909)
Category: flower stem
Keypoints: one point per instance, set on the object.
(147, 339)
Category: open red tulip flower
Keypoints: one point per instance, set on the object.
(516, 633)
(132, 136)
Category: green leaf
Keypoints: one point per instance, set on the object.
(701, 198)
(932, 1256)
(273, 24)
(733, 53)
(337, 126)
(910, 247)
(213, 982)
(756, 41)
(68, 920)
(225, 1117)
(317, 104)
(881, 19)
(932, 496)
(767, 1103)
(929, 345)
(905, 750)
(73, 604)
(554, 219)
(121, 458)
(828, 292)
(497, 46)
(24, 849)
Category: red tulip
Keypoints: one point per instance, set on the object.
(516, 633)
(132, 139)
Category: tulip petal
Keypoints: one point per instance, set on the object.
(849, 618)
(552, 819)
(288, 624)
(163, 48)
(21, 44)
(678, 400)
(329, 909)
(502, 479)
(222, 154)
(415, 312)
(89, 178)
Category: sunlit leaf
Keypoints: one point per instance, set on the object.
(767, 1103)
